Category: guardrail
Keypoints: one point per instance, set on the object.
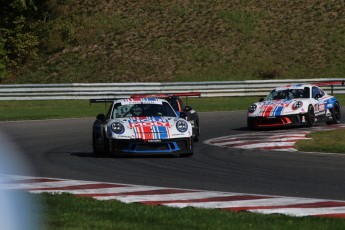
(111, 90)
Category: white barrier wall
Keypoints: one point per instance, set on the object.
(111, 90)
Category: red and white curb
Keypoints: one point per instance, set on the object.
(180, 198)
(282, 140)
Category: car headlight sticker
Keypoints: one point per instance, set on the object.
(181, 126)
(117, 128)
(252, 108)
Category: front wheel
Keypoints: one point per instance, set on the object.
(310, 117)
(335, 111)
(250, 123)
(100, 146)
(197, 132)
(191, 149)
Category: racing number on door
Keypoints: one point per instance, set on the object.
(319, 107)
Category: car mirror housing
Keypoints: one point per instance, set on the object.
(101, 117)
(187, 108)
(183, 115)
(317, 96)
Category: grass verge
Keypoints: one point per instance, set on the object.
(49, 109)
(66, 211)
(330, 141)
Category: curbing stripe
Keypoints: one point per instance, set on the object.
(180, 198)
(269, 140)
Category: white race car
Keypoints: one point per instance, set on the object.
(296, 104)
(141, 126)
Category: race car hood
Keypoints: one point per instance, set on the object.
(148, 128)
(274, 108)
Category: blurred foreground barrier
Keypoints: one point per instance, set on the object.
(111, 90)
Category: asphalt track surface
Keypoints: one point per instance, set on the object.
(62, 149)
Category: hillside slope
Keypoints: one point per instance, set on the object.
(185, 40)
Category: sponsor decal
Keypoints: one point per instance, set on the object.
(294, 86)
(322, 107)
(150, 127)
(148, 121)
(319, 107)
(154, 141)
(274, 108)
(141, 100)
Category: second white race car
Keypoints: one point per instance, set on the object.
(295, 104)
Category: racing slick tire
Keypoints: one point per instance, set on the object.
(100, 146)
(250, 123)
(191, 152)
(197, 132)
(310, 117)
(335, 111)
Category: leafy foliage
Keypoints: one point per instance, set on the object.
(19, 38)
(61, 41)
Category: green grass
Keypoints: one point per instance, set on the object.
(70, 212)
(49, 109)
(331, 141)
(159, 41)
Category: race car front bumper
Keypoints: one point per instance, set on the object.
(290, 120)
(176, 146)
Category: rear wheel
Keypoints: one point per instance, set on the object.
(335, 111)
(310, 116)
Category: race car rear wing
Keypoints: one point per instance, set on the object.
(166, 95)
(330, 83)
(103, 100)
(162, 95)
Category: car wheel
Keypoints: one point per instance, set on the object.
(191, 149)
(310, 116)
(197, 132)
(100, 146)
(95, 143)
(335, 111)
(250, 123)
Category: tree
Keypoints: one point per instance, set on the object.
(19, 38)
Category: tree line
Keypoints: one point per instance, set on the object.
(22, 28)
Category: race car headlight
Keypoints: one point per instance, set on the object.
(252, 108)
(117, 128)
(181, 126)
(297, 105)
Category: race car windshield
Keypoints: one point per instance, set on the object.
(142, 110)
(288, 94)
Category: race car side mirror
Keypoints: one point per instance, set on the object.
(317, 96)
(101, 117)
(187, 108)
(183, 115)
(261, 99)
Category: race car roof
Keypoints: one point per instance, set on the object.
(145, 100)
(139, 100)
(293, 86)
